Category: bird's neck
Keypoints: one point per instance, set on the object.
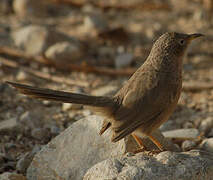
(167, 64)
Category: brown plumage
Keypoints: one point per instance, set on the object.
(145, 101)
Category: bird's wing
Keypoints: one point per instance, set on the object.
(141, 104)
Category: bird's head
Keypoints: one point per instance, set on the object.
(170, 48)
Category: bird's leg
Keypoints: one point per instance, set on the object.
(156, 142)
(139, 142)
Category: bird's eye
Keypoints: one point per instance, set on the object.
(182, 42)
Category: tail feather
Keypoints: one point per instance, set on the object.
(66, 97)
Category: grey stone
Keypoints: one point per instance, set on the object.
(24, 162)
(68, 106)
(95, 22)
(182, 134)
(63, 53)
(123, 60)
(55, 130)
(8, 124)
(40, 133)
(169, 125)
(12, 176)
(188, 145)
(164, 166)
(207, 145)
(206, 125)
(69, 155)
(35, 39)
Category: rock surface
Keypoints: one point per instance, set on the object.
(80, 147)
(164, 166)
(74, 151)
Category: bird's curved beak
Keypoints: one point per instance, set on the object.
(194, 36)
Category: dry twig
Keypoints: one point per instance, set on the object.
(68, 67)
(44, 75)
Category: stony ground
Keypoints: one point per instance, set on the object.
(108, 35)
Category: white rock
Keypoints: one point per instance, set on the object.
(123, 60)
(75, 150)
(8, 124)
(64, 52)
(21, 76)
(68, 106)
(185, 134)
(164, 166)
(34, 39)
(207, 145)
(188, 145)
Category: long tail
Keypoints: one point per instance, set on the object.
(67, 97)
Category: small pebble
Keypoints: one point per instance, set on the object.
(55, 130)
(206, 125)
(40, 133)
(188, 145)
(123, 60)
(21, 76)
(207, 145)
(24, 162)
(68, 106)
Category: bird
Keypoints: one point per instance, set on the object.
(145, 101)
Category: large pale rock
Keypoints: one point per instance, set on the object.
(79, 147)
(34, 39)
(74, 151)
(164, 166)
